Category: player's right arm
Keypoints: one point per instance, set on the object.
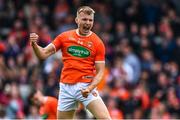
(41, 53)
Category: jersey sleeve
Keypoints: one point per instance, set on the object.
(57, 42)
(100, 53)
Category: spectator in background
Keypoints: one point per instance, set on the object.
(113, 109)
(176, 52)
(122, 71)
(177, 87)
(33, 112)
(133, 12)
(120, 31)
(47, 104)
(166, 47)
(132, 60)
(147, 59)
(103, 16)
(159, 111)
(15, 105)
(133, 36)
(173, 104)
(151, 12)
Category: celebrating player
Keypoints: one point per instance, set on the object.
(83, 55)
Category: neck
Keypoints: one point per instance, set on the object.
(81, 34)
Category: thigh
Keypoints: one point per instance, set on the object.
(93, 95)
(93, 102)
(98, 109)
(66, 101)
(65, 114)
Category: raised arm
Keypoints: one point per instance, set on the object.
(41, 53)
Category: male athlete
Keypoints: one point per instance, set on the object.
(83, 55)
(47, 104)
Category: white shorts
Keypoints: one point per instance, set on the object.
(70, 95)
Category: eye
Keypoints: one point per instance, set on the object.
(84, 19)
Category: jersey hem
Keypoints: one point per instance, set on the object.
(68, 82)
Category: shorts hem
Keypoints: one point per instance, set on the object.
(86, 104)
(66, 110)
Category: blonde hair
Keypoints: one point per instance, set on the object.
(85, 9)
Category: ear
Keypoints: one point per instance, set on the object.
(76, 20)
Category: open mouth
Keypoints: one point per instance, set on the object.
(86, 27)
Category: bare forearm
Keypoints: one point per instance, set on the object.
(97, 79)
(41, 53)
(38, 51)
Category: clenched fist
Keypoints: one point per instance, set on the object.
(85, 92)
(33, 38)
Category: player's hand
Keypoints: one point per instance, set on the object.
(33, 38)
(85, 92)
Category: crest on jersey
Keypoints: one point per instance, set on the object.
(94, 94)
(89, 44)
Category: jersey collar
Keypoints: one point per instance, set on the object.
(77, 32)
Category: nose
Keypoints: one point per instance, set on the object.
(87, 22)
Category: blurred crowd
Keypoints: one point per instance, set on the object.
(142, 40)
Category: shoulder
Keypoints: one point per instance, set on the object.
(94, 35)
(66, 33)
(96, 38)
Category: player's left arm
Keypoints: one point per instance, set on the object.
(96, 80)
(100, 66)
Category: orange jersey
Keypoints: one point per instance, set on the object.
(49, 109)
(79, 54)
